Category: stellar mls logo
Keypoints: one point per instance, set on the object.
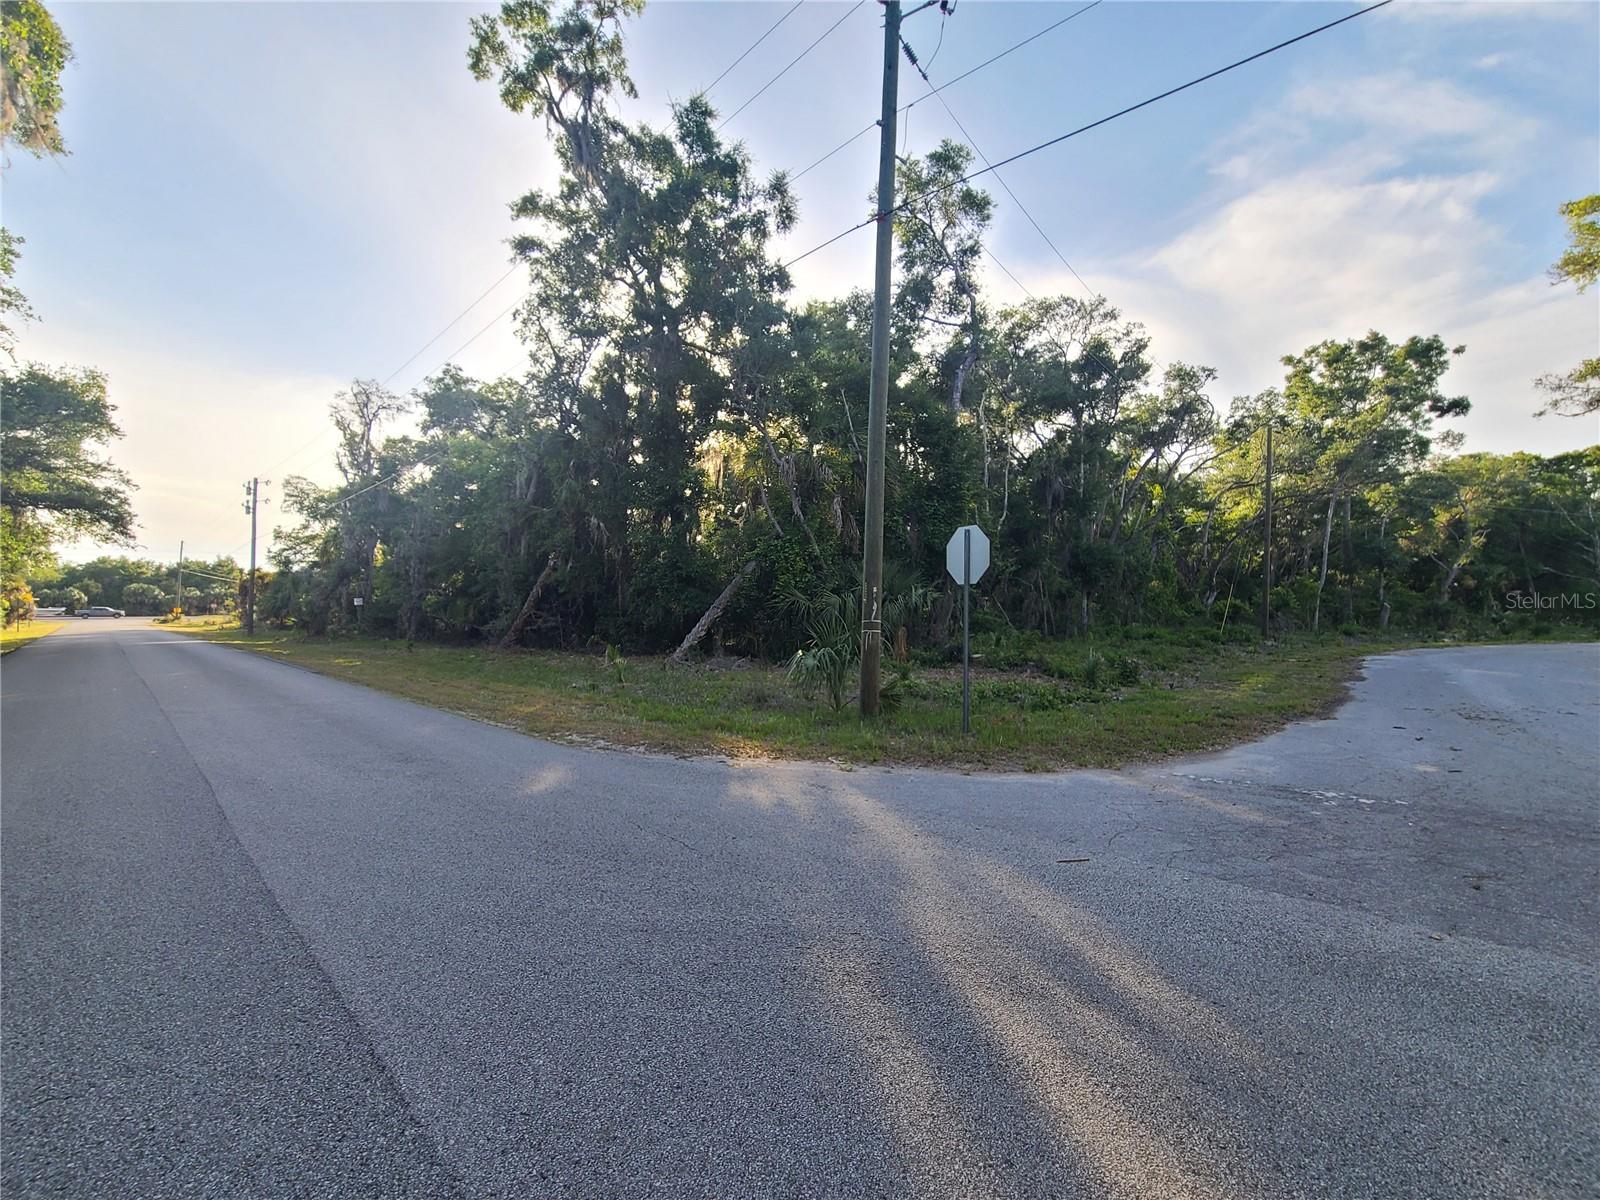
(1548, 602)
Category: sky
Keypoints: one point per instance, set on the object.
(264, 201)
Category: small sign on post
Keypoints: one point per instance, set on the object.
(966, 557)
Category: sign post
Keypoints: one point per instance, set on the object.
(966, 557)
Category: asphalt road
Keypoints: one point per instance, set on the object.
(269, 934)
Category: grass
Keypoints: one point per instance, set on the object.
(19, 636)
(1146, 698)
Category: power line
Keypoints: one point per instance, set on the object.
(459, 317)
(1089, 292)
(1055, 141)
(792, 62)
(771, 29)
(321, 437)
(436, 453)
(393, 475)
(944, 19)
(495, 320)
(188, 570)
(1015, 199)
(988, 62)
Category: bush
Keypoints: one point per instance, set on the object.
(832, 651)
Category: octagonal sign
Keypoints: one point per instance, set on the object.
(955, 554)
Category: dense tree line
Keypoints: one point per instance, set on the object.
(681, 464)
(685, 451)
(138, 586)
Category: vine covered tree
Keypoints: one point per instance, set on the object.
(33, 53)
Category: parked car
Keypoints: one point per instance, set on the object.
(100, 610)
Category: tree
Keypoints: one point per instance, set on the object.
(55, 484)
(13, 304)
(652, 286)
(940, 226)
(16, 602)
(1577, 393)
(33, 53)
(684, 444)
(1363, 410)
(51, 422)
(143, 599)
(1580, 262)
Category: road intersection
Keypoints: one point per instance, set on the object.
(267, 933)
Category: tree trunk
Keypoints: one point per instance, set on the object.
(1468, 545)
(960, 382)
(414, 576)
(970, 358)
(704, 624)
(1383, 602)
(531, 603)
(1322, 579)
(1347, 563)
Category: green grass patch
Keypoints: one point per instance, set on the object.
(20, 635)
(1146, 698)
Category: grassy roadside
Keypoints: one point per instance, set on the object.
(1169, 697)
(19, 636)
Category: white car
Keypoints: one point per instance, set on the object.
(100, 610)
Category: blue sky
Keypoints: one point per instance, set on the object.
(266, 200)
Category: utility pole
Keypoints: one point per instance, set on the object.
(180, 577)
(253, 489)
(878, 405)
(1266, 542)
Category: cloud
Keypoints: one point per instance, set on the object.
(1327, 225)
(1373, 123)
(1462, 11)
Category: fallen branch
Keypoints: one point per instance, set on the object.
(528, 605)
(704, 624)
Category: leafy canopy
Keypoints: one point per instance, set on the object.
(1577, 393)
(51, 423)
(33, 53)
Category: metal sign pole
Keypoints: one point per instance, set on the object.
(966, 631)
(966, 558)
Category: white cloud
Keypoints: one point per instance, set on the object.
(1348, 240)
(1370, 124)
(1458, 11)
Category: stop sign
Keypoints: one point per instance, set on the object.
(957, 550)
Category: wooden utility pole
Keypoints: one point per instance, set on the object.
(180, 577)
(878, 406)
(254, 489)
(1266, 543)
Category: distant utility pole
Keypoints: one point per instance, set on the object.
(1266, 542)
(878, 405)
(180, 577)
(253, 490)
